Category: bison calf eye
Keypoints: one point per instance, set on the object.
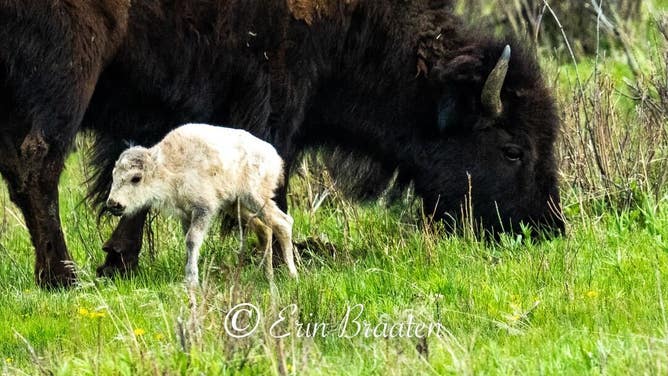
(513, 153)
(135, 179)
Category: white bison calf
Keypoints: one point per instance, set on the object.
(199, 170)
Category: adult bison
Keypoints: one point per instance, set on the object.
(401, 83)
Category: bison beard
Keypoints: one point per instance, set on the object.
(398, 83)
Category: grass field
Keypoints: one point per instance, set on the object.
(592, 302)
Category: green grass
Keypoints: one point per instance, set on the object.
(592, 302)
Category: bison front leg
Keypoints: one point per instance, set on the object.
(199, 226)
(32, 175)
(123, 246)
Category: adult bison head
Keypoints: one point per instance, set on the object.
(487, 150)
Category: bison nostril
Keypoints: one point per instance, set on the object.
(115, 207)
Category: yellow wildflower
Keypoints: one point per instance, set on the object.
(592, 294)
(83, 312)
(139, 332)
(96, 314)
(9, 360)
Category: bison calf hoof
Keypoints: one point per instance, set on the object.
(118, 264)
(191, 282)
(56, 278)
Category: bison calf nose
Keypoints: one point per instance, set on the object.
(114, 207)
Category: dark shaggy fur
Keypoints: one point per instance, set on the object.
(365, 77)
(52, 53)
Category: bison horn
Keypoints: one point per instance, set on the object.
(491, 92)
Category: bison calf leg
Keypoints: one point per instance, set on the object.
(123, 246)
(264, 235)
(281, 200)
(199, 226)
(281, 225)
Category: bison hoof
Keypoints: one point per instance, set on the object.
(56, 278)
(118, 264)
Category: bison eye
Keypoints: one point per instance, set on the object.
(135, 179)
(513, 153)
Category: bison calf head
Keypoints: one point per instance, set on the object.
(132, 188)
(488, 149)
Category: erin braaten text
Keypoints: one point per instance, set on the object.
(245, 319)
